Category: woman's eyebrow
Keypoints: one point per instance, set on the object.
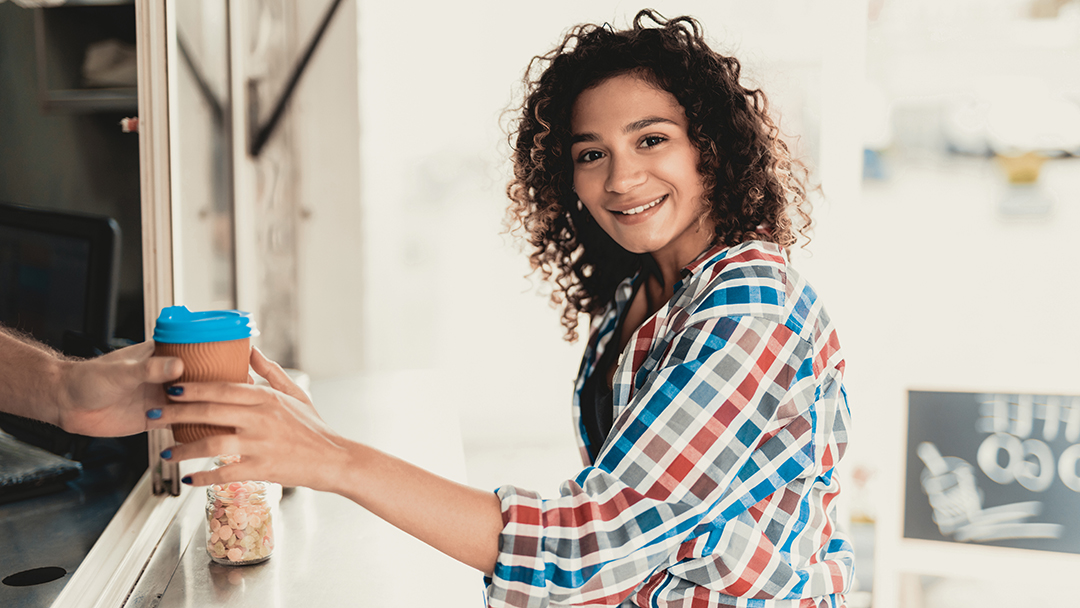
(637, 125)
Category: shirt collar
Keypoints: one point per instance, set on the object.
(704, 260)
(712, 255)
(700, 263)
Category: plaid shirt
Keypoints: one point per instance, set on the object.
(715, 484)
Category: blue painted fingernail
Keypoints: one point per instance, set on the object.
(166, 454)
(153, 414)
(185, 479)
(175, 391)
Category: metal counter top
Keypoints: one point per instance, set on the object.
(55, 531)
(328, 550)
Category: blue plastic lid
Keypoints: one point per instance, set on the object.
(178, 325)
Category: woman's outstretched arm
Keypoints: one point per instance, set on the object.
(460, 521)
(283, 439)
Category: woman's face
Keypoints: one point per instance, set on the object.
(635, 169)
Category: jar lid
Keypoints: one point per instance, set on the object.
(178, 325)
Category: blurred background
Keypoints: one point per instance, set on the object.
(366, 232)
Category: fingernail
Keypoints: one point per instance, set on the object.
(185, 479)
(153, 414)
(175, 391)
(166, 454)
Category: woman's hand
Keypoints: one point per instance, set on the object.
(281, 438)
(279, 435)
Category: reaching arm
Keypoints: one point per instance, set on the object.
(105, 396)
(460, 521)
(283, 439)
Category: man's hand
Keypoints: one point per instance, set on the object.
(109, 395)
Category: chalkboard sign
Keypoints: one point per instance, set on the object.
(994, 469)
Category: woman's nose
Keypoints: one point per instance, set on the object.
(625, 174)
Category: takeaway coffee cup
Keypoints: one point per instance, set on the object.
(215, 346)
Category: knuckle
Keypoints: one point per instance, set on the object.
(206, 411)
(235, 472)
(223, 444)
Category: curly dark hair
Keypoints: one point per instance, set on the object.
(754, 187)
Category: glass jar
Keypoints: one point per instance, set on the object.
(239, 523)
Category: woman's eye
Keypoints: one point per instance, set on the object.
(652, 140)
(589, 156)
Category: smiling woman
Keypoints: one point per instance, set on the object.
(752, 189)
(635, 170)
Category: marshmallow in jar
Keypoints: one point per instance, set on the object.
(239, 521)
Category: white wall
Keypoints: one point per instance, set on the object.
(326, 130)
(199, 154)
(936, 288)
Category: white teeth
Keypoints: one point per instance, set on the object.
(637, 210)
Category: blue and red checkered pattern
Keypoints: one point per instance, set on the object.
(715, 484)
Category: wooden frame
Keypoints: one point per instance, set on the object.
(245, 246)
(156, 194)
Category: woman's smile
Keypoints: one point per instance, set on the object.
(635, 170)
(643, 208)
